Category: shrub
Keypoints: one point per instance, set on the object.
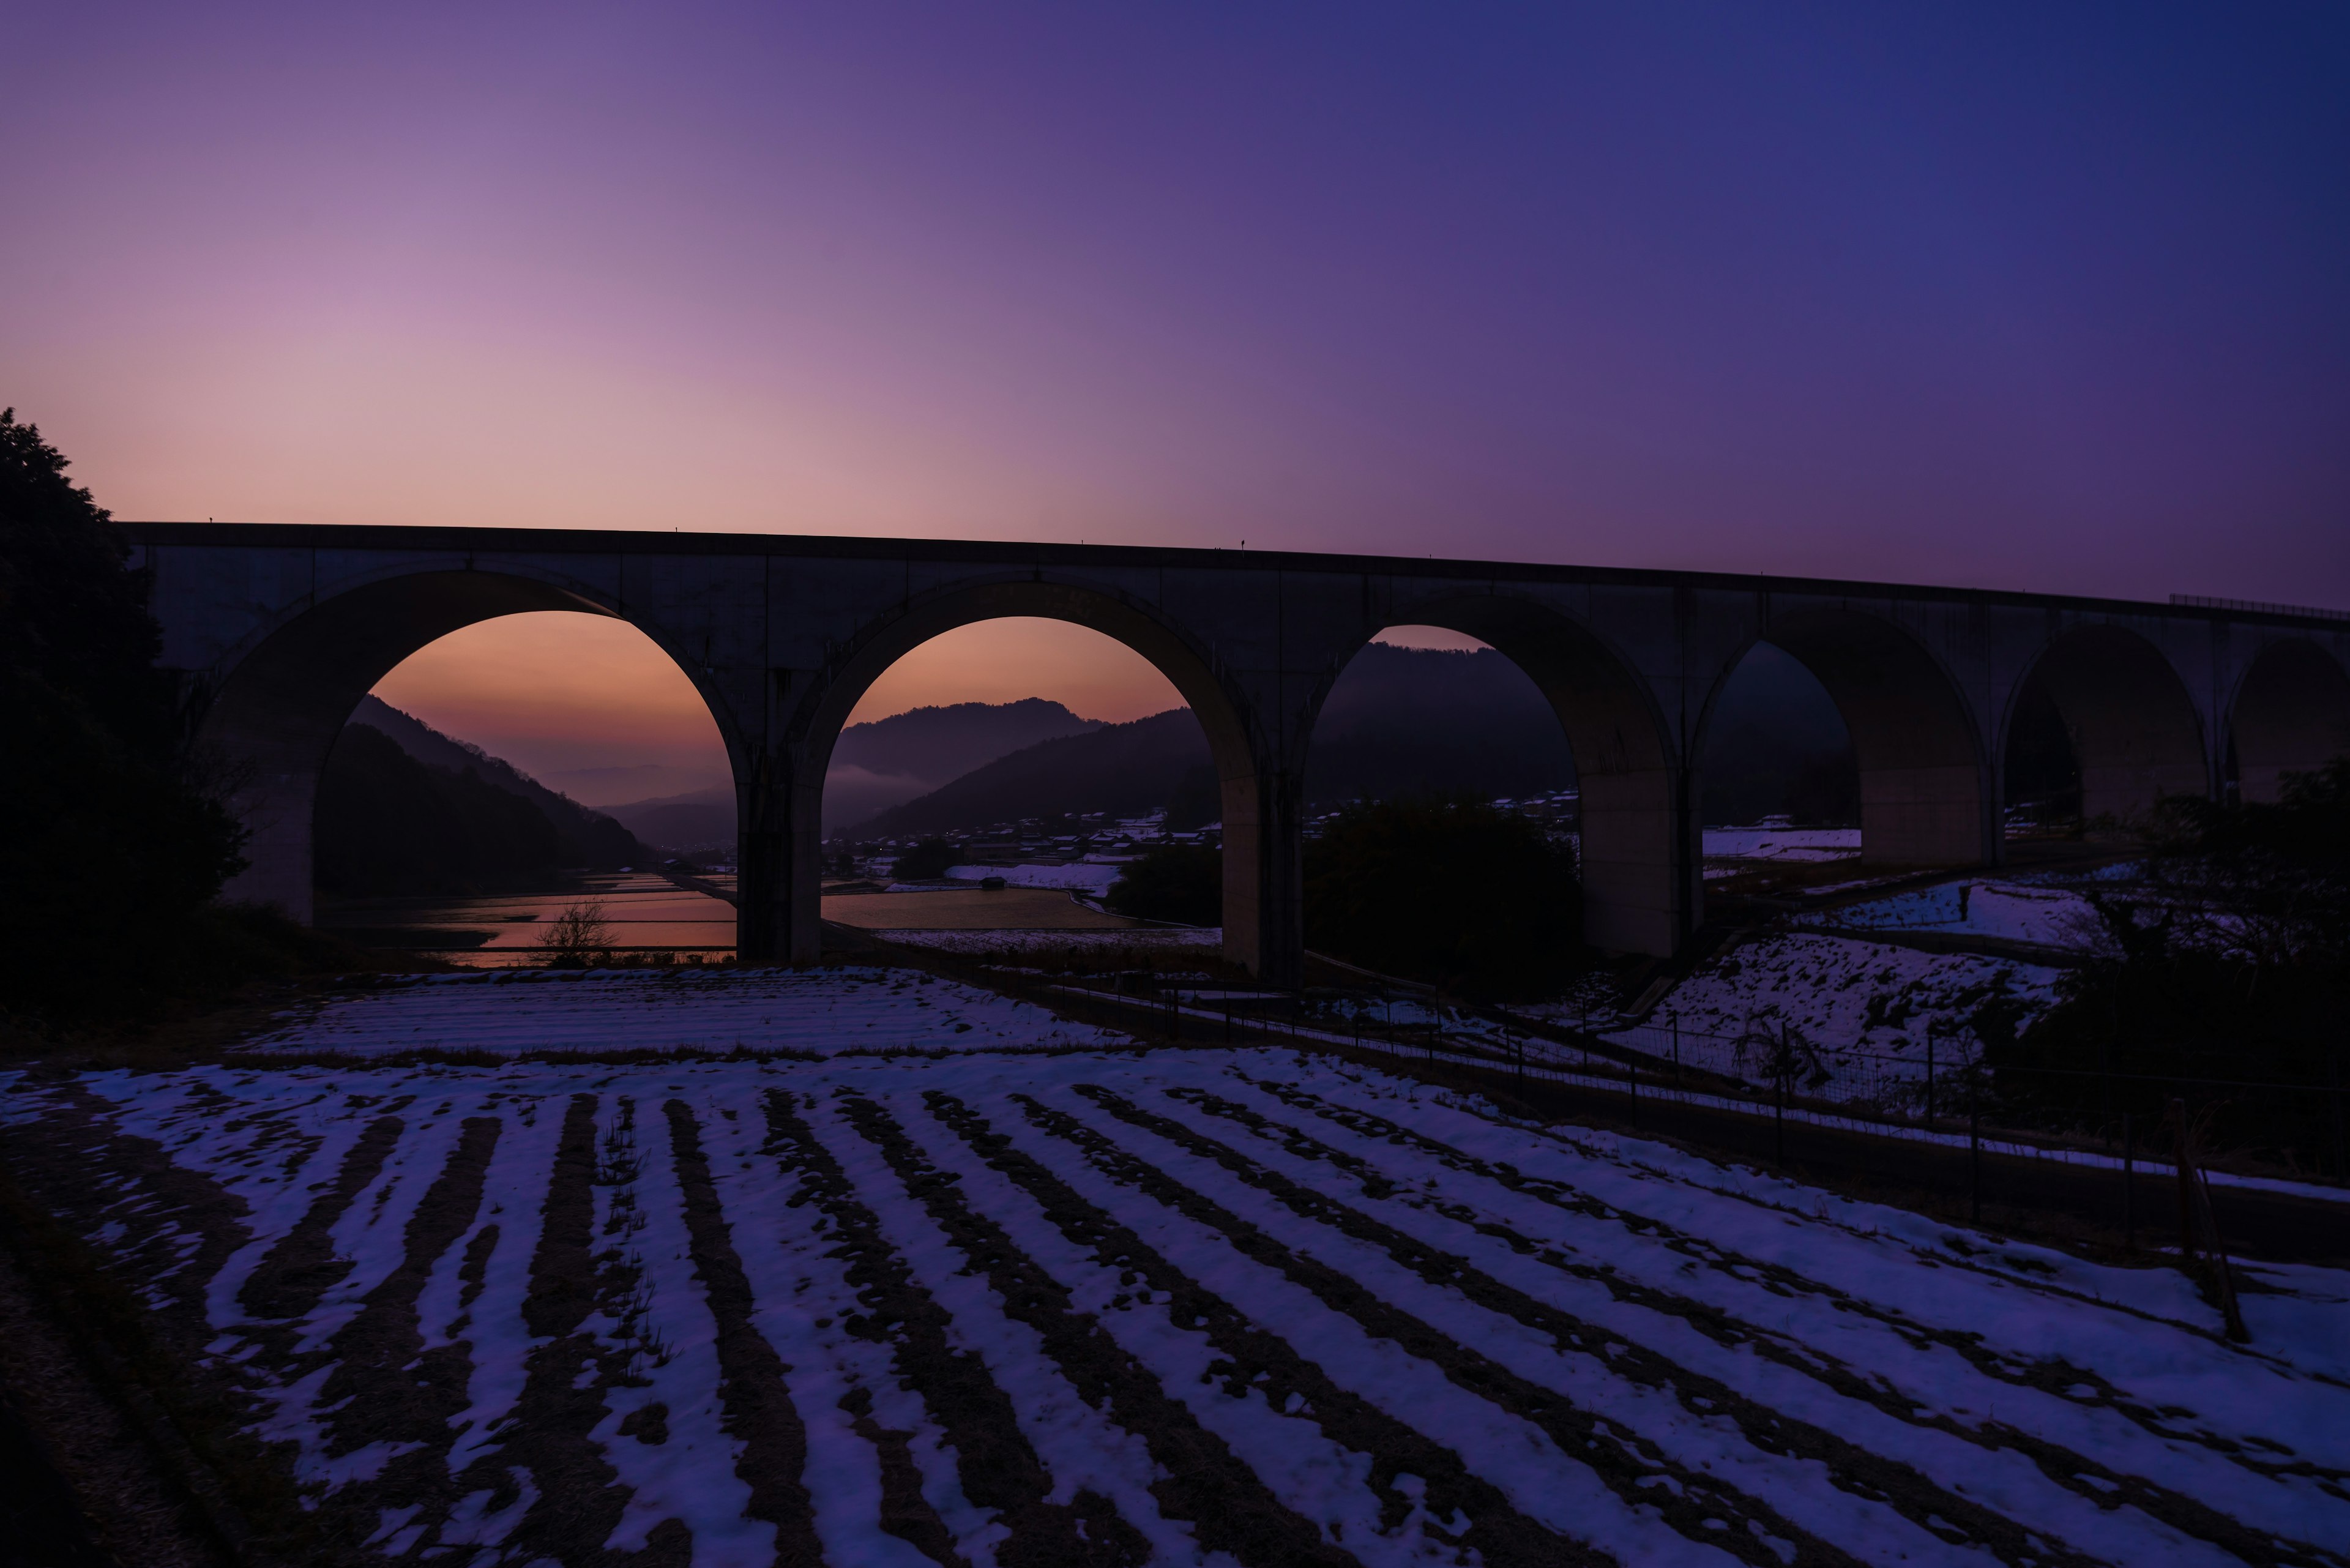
(1450, 890)
(1180, 882)
(577, 937)
(926, 861)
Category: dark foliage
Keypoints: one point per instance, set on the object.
(112, 849)
(926, 860)
(1180, 882)
(2229, 963)
(1452, 891)
(1197, 801)
(390, 824)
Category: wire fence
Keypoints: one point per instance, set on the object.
(1941, 1085)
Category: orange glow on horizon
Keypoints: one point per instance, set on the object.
(592, 706)
(1093, 675)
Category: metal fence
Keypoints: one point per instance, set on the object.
(1943, 1086)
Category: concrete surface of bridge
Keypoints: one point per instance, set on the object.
(278, 631)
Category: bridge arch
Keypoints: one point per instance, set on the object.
(2134, 733)
(1924, 795)
(1636, 865)
(783, 830)
(266, 727)
(2291, 714)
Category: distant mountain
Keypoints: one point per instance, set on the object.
(701, 821)
(875, 766)
(583, 837)
(1123, 769)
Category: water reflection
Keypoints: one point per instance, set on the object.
(646, 914)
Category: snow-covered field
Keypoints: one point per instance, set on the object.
(1865, 1007)
(813, 1012)
(1197, 1306)
(1782, 842)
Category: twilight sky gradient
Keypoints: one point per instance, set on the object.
(2035, 297)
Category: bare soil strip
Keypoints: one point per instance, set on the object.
(385, 1386)
(1621, 1461)
(1849, 1467)
(1255, 1359)
(759, 1412)
(293, 1276)
(1229, 1508)
(995, 1463)
(579, 1501)
(2084, 1475)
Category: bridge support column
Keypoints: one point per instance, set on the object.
(778, 916)
(1635, 862)
(1265, 877)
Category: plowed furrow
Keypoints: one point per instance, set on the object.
(1621, 1459)
(995, 1464)
(1851, 1465)
(545, 1445)
(1405, 1469)
(2072, 1467)
(759, 1411)
(1229, 1508)
(385, 1386)
(293, 1276)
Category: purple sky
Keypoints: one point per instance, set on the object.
(2044, 297)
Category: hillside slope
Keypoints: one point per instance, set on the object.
(1122, 769)
(583, 837)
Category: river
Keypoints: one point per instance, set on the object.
(646, 914)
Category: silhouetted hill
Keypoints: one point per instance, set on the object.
(1407, 720)
(388, 823)
(1123, 769)
(586, 837)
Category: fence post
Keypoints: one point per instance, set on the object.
(1929, 1075)
(1677, 1047)
(2129, 1185)
(1779, 1117)
(1974, 1156)
(2341, 1145)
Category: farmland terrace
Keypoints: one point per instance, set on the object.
(865, 1266)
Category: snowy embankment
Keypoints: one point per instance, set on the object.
(1865, 1008)
(2053, 916)
(1204, 1306)
(818, 1012)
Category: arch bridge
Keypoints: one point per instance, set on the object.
(278, 631)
